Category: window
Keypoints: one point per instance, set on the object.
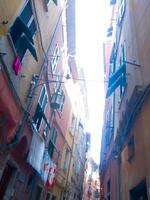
(78, 168)
(63, 101)
(22, 32)
(139, 191)
(7, 179)
(57, 82)
(109, 31)
(75, 195)
(55, 58)
(113, 59)
(73, 125)
(89, 191)
(52, 142)
(88, 141)
(121, 12)
(39, 112)
(47, 2)
(53, 197)
(43, 98)
(109, 125)
(66, 161)
(27, 17)
(38, 193)
(131, 149)
(30, 182)
(122, 62)
(48, 196)
(108, 189)
(118, 78)
(46, 131)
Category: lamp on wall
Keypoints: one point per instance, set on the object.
(57, 99)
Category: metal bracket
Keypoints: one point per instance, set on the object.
(133, 63)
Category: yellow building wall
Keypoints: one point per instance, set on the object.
(67, 174)
(8, 10)
(47, 21)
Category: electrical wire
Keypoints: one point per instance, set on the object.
(67, 77)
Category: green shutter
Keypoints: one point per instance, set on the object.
(53, 135)
(51, 149)
(18, 29)
(121, 70)
(113, 87)
(38, 116)
(24, 43)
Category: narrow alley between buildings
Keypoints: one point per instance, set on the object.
(74, 100)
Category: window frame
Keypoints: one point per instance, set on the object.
(44, 98)
(52, 142)
(55, 58)
(109, 125)
(121, 12)
(40, 190)
(66, 160)
(40, 118)
(47, 2)
(62, 105)
(122, 61)
(31, 18)
(109, 189)
(73, 125)
(48, 193)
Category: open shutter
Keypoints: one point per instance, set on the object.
(115, 75)
(38, 116)
(18, 29)
(113, 87)
(23, 44)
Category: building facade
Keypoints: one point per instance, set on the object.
(91, 182)
(124, 161)
(36, 110)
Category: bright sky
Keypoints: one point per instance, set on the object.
(92, 19)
